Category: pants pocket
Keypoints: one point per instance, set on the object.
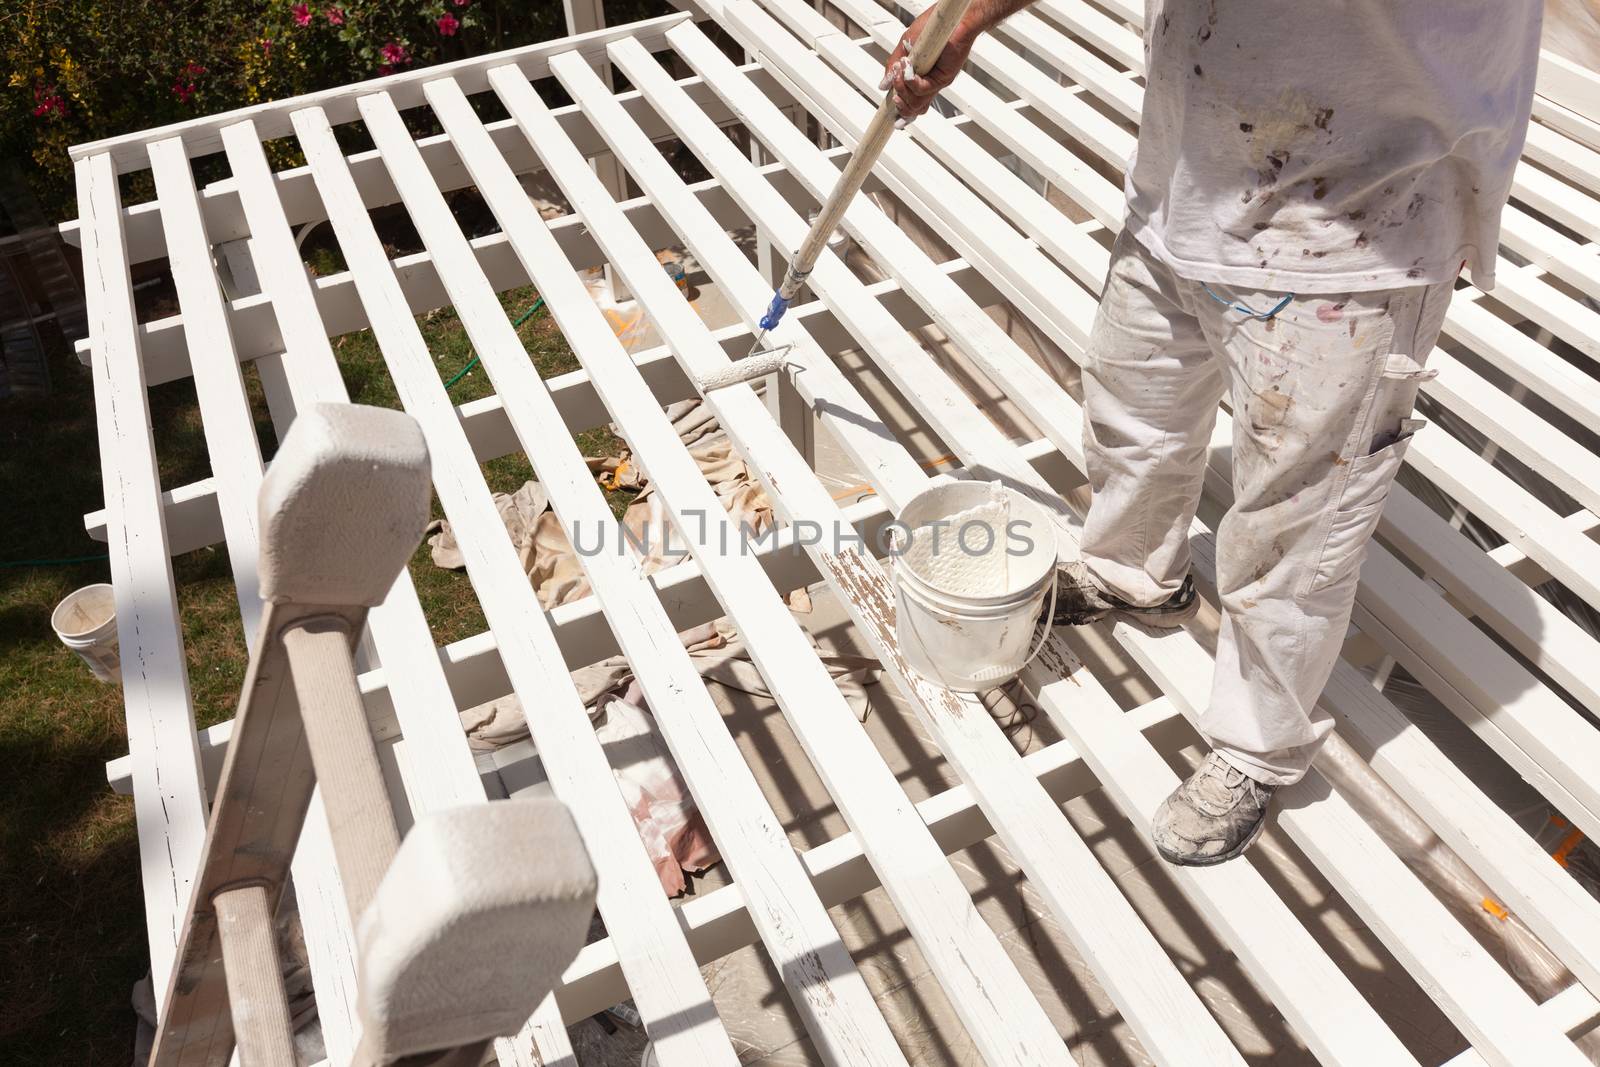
(1356, 514)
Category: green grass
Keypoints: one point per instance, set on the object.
(72, 938)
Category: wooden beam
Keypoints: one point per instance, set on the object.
(202, 136)
(169, 798)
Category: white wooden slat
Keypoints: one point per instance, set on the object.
(169, 794)
(1517, 563)
(273, 119)
(1581, 128)
(1081, 65)
(1130, 12)
(1529, 623)
(1513, 352)
(1574, 1010)
(834, 1002)
(1542, 303)
(1105, 33)
(1569, 83)
(1378, 888)
(1519, 430)
(329, 939)
(1516, 514)
(1553, 197)
(416, 684)
(1057, 862)
(667, 987)
(1571, 160)
(226, 420)
(962, 951)
(909, 172)
(1553, 251)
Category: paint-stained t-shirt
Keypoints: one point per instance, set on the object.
(1340, 146)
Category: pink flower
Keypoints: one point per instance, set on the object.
(462, 3)
(183, 90)
(384, 70)
(48, 102)
(335, 16)
(191, 68)
(266, 46)
(302, 14)
(448, 25)
(394, 54)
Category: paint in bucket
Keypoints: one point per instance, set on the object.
(86, 622)
(974, 562)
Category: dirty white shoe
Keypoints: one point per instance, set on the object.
(1079, 601)
(1212, 817)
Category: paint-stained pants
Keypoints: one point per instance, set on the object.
(1321, 396)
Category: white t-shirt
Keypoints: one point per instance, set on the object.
(1337, 146)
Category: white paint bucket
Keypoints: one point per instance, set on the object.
(965, 638)
(86, 622)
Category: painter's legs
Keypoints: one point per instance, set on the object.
(1322, 396)
(1150, 390)
(1321, 392)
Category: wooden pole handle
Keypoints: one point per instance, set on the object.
(924, 53)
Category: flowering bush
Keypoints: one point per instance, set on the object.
(78, 70)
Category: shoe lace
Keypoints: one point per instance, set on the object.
(1219, 785)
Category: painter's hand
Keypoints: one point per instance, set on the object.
(912, 94)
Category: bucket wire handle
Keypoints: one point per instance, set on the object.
(1038, 646)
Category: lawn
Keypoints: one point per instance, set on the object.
(72, 939)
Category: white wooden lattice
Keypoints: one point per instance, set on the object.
(1429, 598)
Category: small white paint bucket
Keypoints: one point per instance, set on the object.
(86, 622)
(964, 639)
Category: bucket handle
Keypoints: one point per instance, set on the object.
(1038, 646)
(995, 672)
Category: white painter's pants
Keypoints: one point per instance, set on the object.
(1321, 396)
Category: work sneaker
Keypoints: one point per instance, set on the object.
(1212, 817)
(1079, 601)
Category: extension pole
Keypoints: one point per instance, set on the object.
(924, 52)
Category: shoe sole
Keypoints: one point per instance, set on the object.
(1222, 857)
(1162, 620)
(1165, 620)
